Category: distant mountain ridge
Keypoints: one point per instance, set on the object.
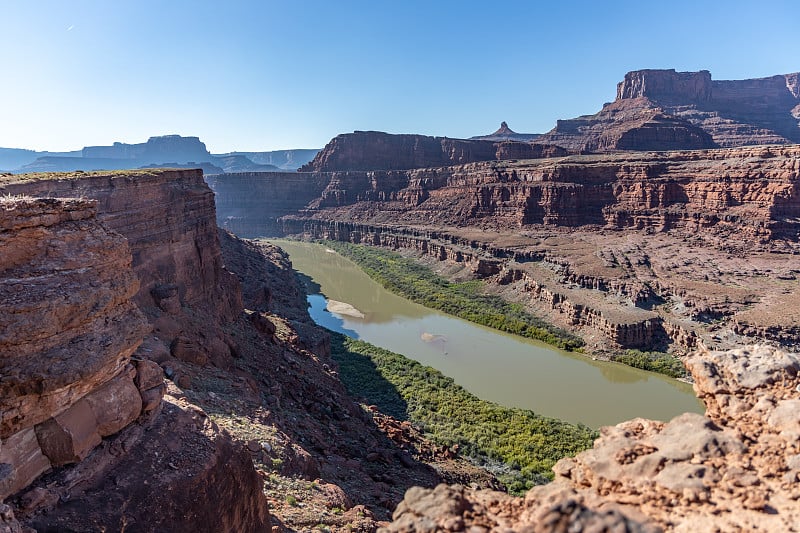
(283, 159)
(162, 151)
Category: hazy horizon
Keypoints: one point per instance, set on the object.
(261, 76)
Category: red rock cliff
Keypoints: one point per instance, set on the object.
(375, 150)
(168, 218)
(73, 399)
(68, 328)
(693, 111)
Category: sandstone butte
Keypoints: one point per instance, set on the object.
(668, 110)
(130, 283)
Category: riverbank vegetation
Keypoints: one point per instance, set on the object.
(519, 446)
(660, 362)
(465, 300)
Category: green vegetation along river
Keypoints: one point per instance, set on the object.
(503, 368)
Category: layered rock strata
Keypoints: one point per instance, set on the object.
(80, 402)
(639, 250)
(750, 190)
(69, 328)
(168, 218)
(665, 110)
(173, 471)
(375, 150)
(733, 469)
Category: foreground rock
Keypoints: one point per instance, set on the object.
(82, 388)
(69, 328)
(172, 471)
(734, 469)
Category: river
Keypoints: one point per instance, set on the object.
(495, 366)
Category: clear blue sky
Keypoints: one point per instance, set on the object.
(266, 75)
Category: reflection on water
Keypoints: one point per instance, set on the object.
(495, 366)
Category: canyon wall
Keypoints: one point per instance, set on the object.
(375, 150)
(620, 227)
(90, 268)
(629, 328)
(169, 220)
(749, 190)
(69, 329)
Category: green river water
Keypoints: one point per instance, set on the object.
(495, 366)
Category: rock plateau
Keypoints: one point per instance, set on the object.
(668, 110)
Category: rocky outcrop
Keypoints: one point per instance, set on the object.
(668, 110)
(78, 397)
(375, 150)
(525, 150)
(69, 329)
(734, 469)
(625, 126)
(168, 219)
(174, 471)
(666, 86)
(754, 190)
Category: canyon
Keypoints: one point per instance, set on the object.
(176, 365)
(631, 250)
(162, 374)
(147, 387)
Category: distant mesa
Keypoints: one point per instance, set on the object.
(376, 150)
(655, 110)
(669, 110)
(158, 152)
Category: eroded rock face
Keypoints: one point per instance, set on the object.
(76, 392)
(600, 240)
(734, 469)
(754, 190)
(68, 328)
(168, 219)
(667, 110)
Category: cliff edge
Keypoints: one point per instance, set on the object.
(91, 434)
